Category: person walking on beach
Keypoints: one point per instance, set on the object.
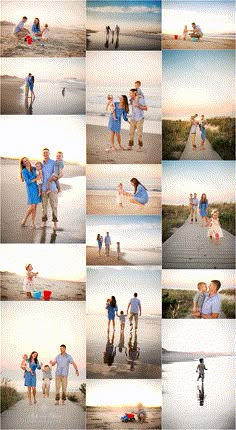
(29, 366)
(19, 31)
(99, 241)
(135, 308)
(117, 30)
(137, 119)
(63, 361)
(194, 206)
(107, 241)
(28, 175)
(31, 86)
(27, 84)
(201, 369)
(52, 197)
(112, 311)
(203, 205)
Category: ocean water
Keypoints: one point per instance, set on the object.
(148, 340)
(181, 403)
(126, 41)
(104, 184)
(51, 101)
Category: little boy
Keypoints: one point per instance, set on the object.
(140, 94)
(199, 297)
(47, 377)
(58, 172)
(200, 369)
(122, 318)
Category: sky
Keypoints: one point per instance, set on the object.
(96, 174)
(133, 232)
(198, 335)
(123, 392)
(212, 16)
(68, 135)
(181, 178)
(57, 13)
(198, 82)
(123, 282)
(123, 68)
(66, 262)
(129, 15)
(44, 68)
(188, 279)
(29, 326)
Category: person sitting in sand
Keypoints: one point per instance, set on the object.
(201, 369)
(141, 413)
(45, 33)
(140, 196)
(58, 172)
(28, 280)
(196, 32)
(36, 28)
(199, 297)
(19, 30)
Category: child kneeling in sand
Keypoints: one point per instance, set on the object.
(47, 377)
(57, 174)
(28, 280)
(141, 413)
(215, 230)
(200, 369)
(199, 297)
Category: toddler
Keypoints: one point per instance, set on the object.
(200, 369)
(39, 176)
(215, 230)
(58, 172)
(140, 94)
(111, 106)
(122, 318)
(118, 250)
(24, 365)
(119, 196)
(199, 297)
(47, 377)
(141, 413)
(45, 33)
(28, 281)
(185, 32)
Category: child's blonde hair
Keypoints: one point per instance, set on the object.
(27, 266)
(201, 284)
(140, 405)
(59, 152)
(214, 211)
(39, 162)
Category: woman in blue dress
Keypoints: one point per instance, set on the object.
(112, 310)
(29, 366)
(31, 86)
(203, 205)
(36, 28)
(121, 109)
(28, 174)
(99, 241)
(140, 195)
(203, 132)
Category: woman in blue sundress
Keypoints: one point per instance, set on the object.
(203, 205)
(121, 109)
(29, 365)
(28, 174)
(112, 310)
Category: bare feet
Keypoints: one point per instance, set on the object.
(140, 149)
(56, 403)
(55, 226)
(30, 402)
(35, 401)
(63, 402)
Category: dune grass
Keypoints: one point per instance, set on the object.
(222, 138)
(174, 137)
(9, 395)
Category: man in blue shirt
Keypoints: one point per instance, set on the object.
(107, 241)
(137, 119)
(19, 30)
(52, 197)
(211, 307)
(63, 361)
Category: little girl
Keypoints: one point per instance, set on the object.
(39, 176)
(185, 32)
(45, 33)
(28, 281)
(214, 226)
(119, 196)
(110, 106)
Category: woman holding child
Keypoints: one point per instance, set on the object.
(29, 366)
(28, 175)
(120, 110)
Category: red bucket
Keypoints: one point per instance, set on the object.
(47, 294)
(176, 36)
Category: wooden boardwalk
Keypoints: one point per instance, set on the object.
(199, 154)
(190, 248)
(43, 415)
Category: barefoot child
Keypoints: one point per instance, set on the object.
(28, 281)
(118, 250)
(185, 32)
(39, 176)
(58, 172)
(199, 297)
(122, 318)
(110, 107)
(215, 230)
(141, 413)
(119, 195)
(200, 369)
(45, 33)
(47, 377)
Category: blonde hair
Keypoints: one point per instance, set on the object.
(27, 266)
(201, 284)
(59, 152)
(214, 211)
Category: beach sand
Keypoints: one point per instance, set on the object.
(14, 205)
(11, 94)
(168, 42)
(12, 288)
(109, 418)
(130, 258)
(98, 141)
(106, 205)
(61, 43)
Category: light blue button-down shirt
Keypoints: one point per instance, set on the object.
(63, 363)
(211, 305)
(137, 113)
(107, 240)
(48, 169)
